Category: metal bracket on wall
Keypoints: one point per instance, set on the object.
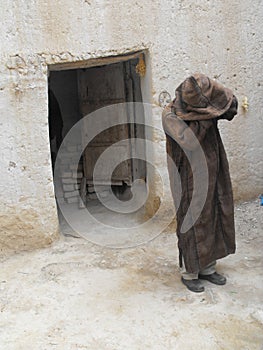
(141, 66)
(164, 98)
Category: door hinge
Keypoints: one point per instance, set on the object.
(141, 66)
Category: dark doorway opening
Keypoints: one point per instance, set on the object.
(74, 93)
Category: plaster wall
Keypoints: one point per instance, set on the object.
(222, 39)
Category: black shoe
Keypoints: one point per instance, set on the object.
(214, 278)
(193, 285)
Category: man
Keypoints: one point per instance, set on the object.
(199, 177)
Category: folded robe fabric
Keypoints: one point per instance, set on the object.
(201, 98)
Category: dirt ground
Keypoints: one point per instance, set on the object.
(77, 295)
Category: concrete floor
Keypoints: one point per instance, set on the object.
(77, 295)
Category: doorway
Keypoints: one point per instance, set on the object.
(78, 92)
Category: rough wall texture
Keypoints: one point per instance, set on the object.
(222, 39)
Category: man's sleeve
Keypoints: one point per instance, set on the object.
(187, 136)
(232, 111)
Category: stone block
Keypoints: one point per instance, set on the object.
(74, 167)
(71, 181)
(66, 174)
(72, 200)
(77, 175)
(68, 187)
(71, 194)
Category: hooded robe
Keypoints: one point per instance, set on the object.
(199, 172)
